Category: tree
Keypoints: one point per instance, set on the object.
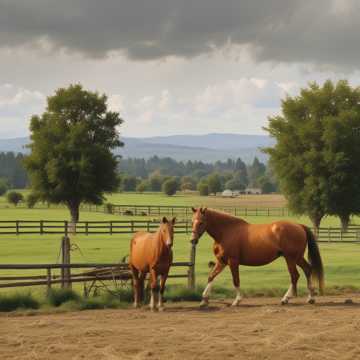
(155, 182)
(71, 160)
(203, 189)
(170, 187)
(31, 200)
(234, 184)
(255, 171)
(214, 183)
(266, 185)
(128, 183)
(315, 158)
(3, 186)
(14, 197)
(143, 186)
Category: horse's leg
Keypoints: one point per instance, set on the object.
(307, 271)
(135, 275)
(161, 292)
(234, 267)
(294, 274)
(154, 289)
(141, 286)
(219, 267)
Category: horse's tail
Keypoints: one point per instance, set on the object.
(317, 269)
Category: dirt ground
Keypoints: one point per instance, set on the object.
(258, 329)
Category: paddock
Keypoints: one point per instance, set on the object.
(257, 329)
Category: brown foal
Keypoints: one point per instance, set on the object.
(240, 243)
(152, 253)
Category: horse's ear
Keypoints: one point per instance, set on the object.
(202, 210)
(193, 210)
(173, 220)
(164, 220)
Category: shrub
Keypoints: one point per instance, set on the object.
(14, 197)
(17, 301)
(109, 208)
(203, 189)
(31, 200)
(3, 187)
(60, 296)
(169, 187)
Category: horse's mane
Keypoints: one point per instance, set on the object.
(224, 217)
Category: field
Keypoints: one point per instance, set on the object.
(341, 260)
(258, 329)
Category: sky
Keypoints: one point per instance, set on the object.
(173, 66)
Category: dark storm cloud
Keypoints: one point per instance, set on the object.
(322, 31)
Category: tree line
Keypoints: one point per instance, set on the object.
(169, 176)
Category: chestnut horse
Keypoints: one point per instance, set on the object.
(240, 243)
(151, 253)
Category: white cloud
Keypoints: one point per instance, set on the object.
(17, 105)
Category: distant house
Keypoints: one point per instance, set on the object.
(253, 191)
(227, 193)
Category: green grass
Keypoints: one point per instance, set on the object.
(342, 261)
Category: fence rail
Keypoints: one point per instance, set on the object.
(47, 227)
(163, 210)
(117, 271)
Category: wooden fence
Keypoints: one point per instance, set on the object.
(163, 210)
(99, 272)
(47, 227)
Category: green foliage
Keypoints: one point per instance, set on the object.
(4, 186)
(214, 183)
(234, 184)
(256, 170)
(128, 183)
(71, 160)
(170, 187)
(17, 301)
(31, 200)
(109, 208)
(59, 296)
(143, 186)
(155, 182)
(14, 197)
(12, 170)
(316, 155)
(203, 189)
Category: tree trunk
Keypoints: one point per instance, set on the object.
(74, 213)
(345, 220)
(316, 220)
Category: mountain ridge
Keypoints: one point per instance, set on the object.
(208, 147)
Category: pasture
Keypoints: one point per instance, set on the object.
(341, 260)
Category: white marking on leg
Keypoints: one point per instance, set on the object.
(206, 294)
(207, 290)
(288, 295)
(152, 301)
(160, 303)
(238, 297)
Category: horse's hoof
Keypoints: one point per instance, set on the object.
(235, 303)
(204, 304)
(136, 306)
(311, 301)
(284, 301)
(161, 308)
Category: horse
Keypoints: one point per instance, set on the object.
(237, 242)
(152, 253)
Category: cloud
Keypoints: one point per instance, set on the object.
(16, 107)
(319, 32)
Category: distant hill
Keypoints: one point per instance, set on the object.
(209, 148)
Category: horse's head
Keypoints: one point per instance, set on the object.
(198, 224)
(167, 231)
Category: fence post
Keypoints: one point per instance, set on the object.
(48, 279)
(17, 227)
(191, 271)
(65, 256)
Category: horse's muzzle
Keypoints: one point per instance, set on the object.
(194, 241)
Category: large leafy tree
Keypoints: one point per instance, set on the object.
(71, 160)
(315, 157)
